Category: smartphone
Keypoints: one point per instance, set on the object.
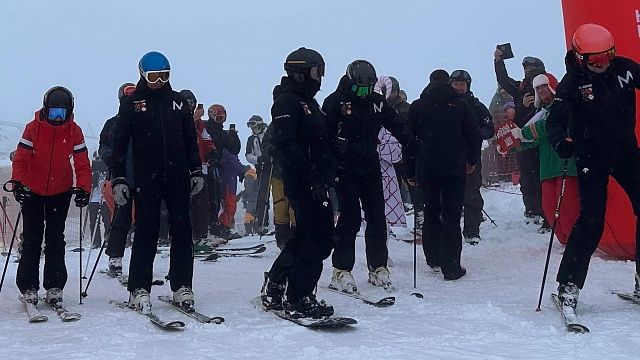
(200, 106)
(232, 126)
(507, 53)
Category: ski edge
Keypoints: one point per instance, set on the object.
(196, 315)
(167, 325)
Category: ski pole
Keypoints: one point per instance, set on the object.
(556, 215)
(94, 232)
(266, 201)
(13, 236)
(76, 191)
(489, 217)
(107, 238)
(415, 254)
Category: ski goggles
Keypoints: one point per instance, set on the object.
(153, 77)
(361, 91)
(317, 72)
(129, 90)
(460, 75)
(57, 114)
(600, 60)
(252, 123)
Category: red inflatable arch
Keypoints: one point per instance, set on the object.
(622, 18)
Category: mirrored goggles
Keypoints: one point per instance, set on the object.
(153, 77)
(602, 59)
(317, 72)
(361, 90)
(57, 114)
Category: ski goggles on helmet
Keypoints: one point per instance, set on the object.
(252, 123)
(57, 114)
(531, 61)
(600, 60)
(153, 77)
(361, 91)
(460, 75)
(317, 72)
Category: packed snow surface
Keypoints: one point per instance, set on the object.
(488, 314)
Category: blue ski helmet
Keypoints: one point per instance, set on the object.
(153, 61)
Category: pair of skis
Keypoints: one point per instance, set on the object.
(173, 324)
(381, 303)
(36, 316)
(238, 252)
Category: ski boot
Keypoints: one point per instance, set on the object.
(115, 267)
(54, 296)
(140, 300)
(568, 295)
(30, 297)
(472, 239)
(342, 280)
(272, 293)
(183, 297)
(308, 307)
(456, 274)
(380, 277)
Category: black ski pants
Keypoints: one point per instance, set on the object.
(300, 261)
(120, 227)
(212, 180)
(38, 211)
(473, 203)
(175, 191)
(352, 190)
(529, 164)
(593, 177)
(200, 214)
(442, 241)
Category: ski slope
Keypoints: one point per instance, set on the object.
(488, 314)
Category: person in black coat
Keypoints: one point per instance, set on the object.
(355, 116)
(528, 160)
(166, 166)
(593, 117)
(302, 147)
(448, 131)
(473, 202)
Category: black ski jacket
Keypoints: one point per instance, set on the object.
(162, 132)
(598, 111)
(517, 89)
(300, 139)
(359, 121)
(222, 139)
(482, 114)
(448, 131)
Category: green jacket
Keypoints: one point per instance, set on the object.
(550, 163)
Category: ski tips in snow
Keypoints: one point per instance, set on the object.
(569, 317)
(194, 314)
(166, 325)
(34, 314)
(381, 303)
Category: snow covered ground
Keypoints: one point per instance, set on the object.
(488, 314)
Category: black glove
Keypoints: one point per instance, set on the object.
(82, 198)
(241, 177)
(21, 192)
(564, 148)
(320, 192)
(340, 145)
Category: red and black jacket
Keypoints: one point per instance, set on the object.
(44, 156)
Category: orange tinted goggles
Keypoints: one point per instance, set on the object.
(602, 59)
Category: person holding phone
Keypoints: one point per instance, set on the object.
(528, 160)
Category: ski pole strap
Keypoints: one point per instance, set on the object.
(14, 185)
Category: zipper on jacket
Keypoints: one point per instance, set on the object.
(164, 142)
(53, 144)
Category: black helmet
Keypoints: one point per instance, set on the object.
(362, 76)
(302, 61)
(191, 99)
(57, 104)
(460, 75)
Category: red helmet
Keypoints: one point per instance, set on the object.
(593, 45)
(218, 113)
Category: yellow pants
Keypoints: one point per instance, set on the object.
(282, 212)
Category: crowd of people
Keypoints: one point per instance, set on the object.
(363, 156)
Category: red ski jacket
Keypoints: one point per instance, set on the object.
(44, 156)
(205, 143)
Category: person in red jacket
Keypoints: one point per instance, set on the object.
(42, 179)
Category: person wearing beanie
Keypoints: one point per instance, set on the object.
(50, 158)
(450, 148)
(528, 161)
(534, 133)
(121, 222)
